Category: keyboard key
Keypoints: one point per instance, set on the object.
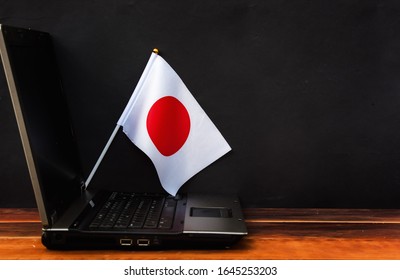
(168, 213)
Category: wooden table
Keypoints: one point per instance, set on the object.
(273, 234)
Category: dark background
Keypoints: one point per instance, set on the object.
(307, 93)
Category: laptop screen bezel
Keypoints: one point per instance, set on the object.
(50, 207)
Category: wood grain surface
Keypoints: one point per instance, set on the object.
(273, 234)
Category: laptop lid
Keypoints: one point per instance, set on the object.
(43, 120)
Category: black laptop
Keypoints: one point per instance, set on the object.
(73, 215)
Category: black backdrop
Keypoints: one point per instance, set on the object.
(307, 93)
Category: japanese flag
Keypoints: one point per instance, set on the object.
(163, 119)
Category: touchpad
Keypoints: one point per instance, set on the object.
(212, 212)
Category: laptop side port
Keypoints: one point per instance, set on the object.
(143, 242)
(125, 242)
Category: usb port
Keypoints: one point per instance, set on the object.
(143, 242)
(125, 242)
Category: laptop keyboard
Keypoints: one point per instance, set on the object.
(133, 211)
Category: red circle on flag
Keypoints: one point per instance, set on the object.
(168, 125)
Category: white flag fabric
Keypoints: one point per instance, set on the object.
(163, 119)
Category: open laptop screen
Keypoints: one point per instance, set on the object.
(45, 114)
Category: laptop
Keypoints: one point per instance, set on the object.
(73, 215)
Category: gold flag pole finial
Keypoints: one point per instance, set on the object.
(156, 51)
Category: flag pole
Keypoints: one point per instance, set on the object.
(103, 153)
(110, 140)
